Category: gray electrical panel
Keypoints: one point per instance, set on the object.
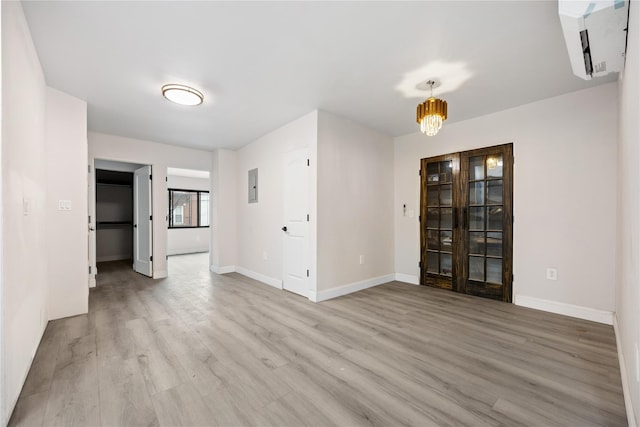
(253, 186)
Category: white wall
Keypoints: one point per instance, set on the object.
(564, 195)
(355, 204)
(159, 156)
(187, 240)
(259, 224)
(66, 151)
(223, 230)
(24, 178)
(628, 265)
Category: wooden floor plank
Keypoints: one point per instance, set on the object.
(198, 348)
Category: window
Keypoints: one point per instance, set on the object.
(188, 208)
(178, 214)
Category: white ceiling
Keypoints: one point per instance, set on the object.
(262, 64)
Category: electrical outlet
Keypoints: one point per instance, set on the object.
(552, 274)
(361, 259)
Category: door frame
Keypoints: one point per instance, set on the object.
(91, 229)
(458, 282)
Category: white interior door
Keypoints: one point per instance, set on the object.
(91, 240)
(142, 222)
(296, 223)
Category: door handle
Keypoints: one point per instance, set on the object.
(455, 218)
(92, 229)
(284, 228)
(466, 218)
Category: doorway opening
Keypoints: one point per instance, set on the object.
(123, 215)
(466, 222)
(189, 216)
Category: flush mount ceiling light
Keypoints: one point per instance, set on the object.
(181, 94)
(432, 112)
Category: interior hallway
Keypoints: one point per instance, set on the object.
(201, 349)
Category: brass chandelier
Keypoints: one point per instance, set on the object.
(431, 113)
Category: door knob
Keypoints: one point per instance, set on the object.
(284, 228)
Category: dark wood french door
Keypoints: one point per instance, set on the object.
(466, 222)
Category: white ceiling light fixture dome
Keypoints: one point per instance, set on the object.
(181, 94)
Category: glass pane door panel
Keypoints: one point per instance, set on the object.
(476, 193)
(494, 270)
(476, 168)
(432, 195)
(494, 192)
(494, 244)
(432, 262)
(446, 241)
(445, 171)
(433, 241)
(446, 218)
(476, 218)
(494, 166)
(432, 173)
(495, 218)
(445, 195)
(446, 268)
(476, 243)
(476, 268)
(432, 218)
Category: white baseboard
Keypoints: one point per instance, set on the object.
(407, 278)
(580, 312)
(276, 283)
(92, 281)
(626, 390)
(350, 288)
(222, 270)
(160, 274)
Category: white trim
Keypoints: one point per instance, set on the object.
(626, 390)
(407, 278)
(92, 280)
(161, 274)
(586, 313)
(187, 251)
(339, 291)
(276, 283)
(222, 270)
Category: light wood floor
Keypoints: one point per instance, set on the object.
(201, 349)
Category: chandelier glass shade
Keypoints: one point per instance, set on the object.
(431, 114)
